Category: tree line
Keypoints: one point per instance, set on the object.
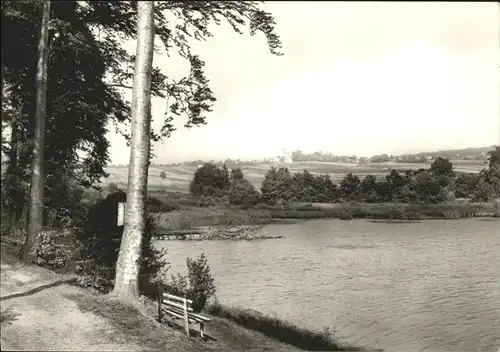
(437, 184)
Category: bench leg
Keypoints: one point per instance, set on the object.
(160, 298)
(201, 330)
(186, 327)
(186, 317)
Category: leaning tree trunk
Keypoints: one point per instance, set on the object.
(35, 217)
(127, 268)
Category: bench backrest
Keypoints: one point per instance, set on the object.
(180, 307)
(176, 301)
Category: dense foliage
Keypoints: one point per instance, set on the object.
(210, 180)
(199, 285)
(424, 186)
(236, 174)
(214, 185)
(277, 185)
(242, 192)
(50, 249)
(437, 184)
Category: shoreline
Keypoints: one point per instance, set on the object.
(214, 233)
(228, 217)
(252, 234)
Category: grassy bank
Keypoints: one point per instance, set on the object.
(281, 330)
(394, 211)
(214, 216)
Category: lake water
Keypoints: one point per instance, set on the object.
(429, 286)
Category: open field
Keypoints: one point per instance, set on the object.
(178, 177)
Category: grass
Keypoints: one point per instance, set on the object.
(281, 330)
(137, 324)
(214, 216)
(133, 322)
(400, 211)
(8, 315)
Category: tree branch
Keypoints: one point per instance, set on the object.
(119, 86)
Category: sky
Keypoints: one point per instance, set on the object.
(358, 78)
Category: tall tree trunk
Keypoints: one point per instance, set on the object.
(35, 220)
(127, 268)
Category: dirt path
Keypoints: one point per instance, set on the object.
(42, 312)
(38, 317)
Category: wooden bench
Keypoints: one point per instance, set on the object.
(180, 308)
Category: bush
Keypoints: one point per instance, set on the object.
(210, 201)
(451, 215)
(242, 192)
(111, 188)
(173, 222)
(199, 286)
(344, 215)
(51, 249)
(154, 205)
(210, 180)
(277, 185)
(413, 215)
(236, 174)
(90, 196)
(177, 286)
(201, 281)
(154, 267)
(67, 202)
(91, 274)
(442, 166)
(396, 214)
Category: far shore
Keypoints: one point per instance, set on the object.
(194, 218)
